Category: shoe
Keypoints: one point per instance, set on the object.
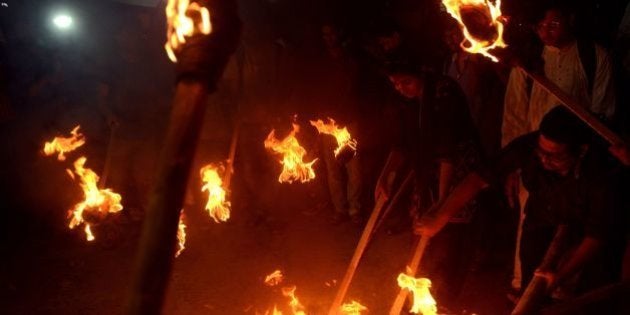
(514, 295)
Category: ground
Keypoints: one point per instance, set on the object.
(221, 271)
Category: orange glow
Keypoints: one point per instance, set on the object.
(184, 19)
(491, 13)
(293, 166)
(62, 145)
(342, 135)
(97, 202)
(181, 234)
(352, 308)
(423, 302)
(217, 206)
(274, 278)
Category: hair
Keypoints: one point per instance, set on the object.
(562, 126)
(565, 9)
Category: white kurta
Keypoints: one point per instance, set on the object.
(524, 111)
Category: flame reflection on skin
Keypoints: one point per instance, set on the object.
(97, 202)
(64, 144)
(293, 166)
(491, 11)
(217, 206)
(341, 134)
(184, 19)
(423, 302)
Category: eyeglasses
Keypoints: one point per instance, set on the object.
(552, 25)
(553, 157)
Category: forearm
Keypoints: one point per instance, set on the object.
(582, 255)
(465, 191)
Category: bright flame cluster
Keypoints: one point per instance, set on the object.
(478, 46)
(184, 19)
(98, 202)
(181, 235)
(217, 206)
(296, 307)
(62, 145)
(423, 302)
(341, 134)
(293, 166)
(353, 308)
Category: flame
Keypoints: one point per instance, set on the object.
(296, 307)
(274, 278)
(293, 166)
(217, 206)
(423, 302)
(352, 308)
(184, 19)
(491, 11)
(97, 203)
(342, 135)
(181, 234)
(62, 145)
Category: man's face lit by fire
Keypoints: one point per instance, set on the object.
(555, 157)
(407, 85)
(553, 30)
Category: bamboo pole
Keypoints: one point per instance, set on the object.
(530, 301)
(411, 271)
(394, 200)
(576, 107)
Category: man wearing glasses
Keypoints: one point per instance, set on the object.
(570, 181)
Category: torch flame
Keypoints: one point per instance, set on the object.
(472, 44)
(274, 278)
(296, 307)
(293, 166)
(181, 234)
(352, 308)
(97, 203)
(342, 135)
(62, 145)
(217, 206)
(184, 19)
(423, 302)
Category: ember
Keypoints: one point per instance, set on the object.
(62, 145)
(293, 166)
(184, 19)
(217, 206)
(344, 140)
(274, 278)
(98, 203)
(480, 24)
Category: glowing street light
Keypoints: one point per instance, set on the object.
(62, 21)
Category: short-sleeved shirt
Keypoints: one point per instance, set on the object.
(584, 199)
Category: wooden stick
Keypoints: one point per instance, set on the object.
(358, 253)
(576, 107)
(535, 291)
(411, 271)
(229, 169)
(394, 200)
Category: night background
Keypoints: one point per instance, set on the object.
(109, 74)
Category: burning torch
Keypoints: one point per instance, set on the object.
(201, 36)
(481, 23)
